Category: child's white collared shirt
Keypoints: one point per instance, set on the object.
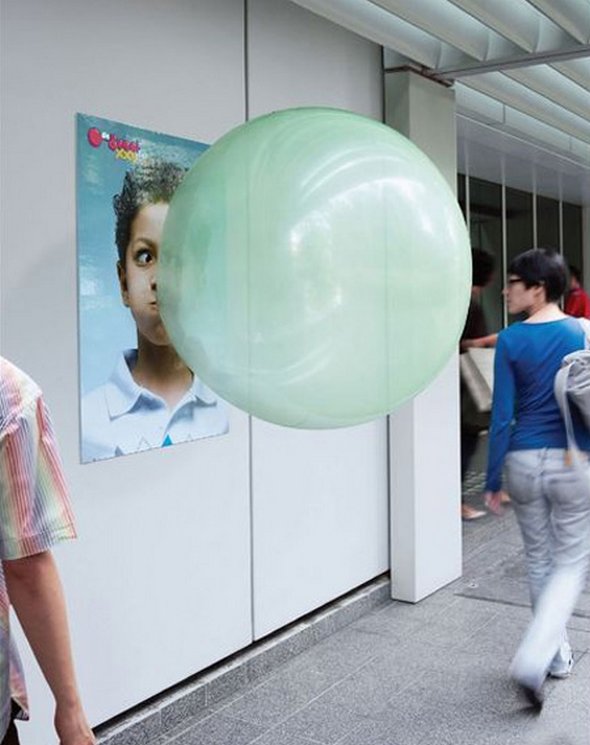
(120, 417)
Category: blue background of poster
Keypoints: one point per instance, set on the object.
(105, 324)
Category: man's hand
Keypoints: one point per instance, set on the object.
(71, 726)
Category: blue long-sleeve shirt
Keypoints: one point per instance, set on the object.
(525, 414)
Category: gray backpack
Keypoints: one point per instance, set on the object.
(572, 386)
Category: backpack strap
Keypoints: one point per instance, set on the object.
(560, 390)
(585, 324)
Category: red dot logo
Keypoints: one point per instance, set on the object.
(94, 137)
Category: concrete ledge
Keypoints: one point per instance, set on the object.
(149, 722)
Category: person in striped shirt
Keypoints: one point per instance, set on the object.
(34, 515)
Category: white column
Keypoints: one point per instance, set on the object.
(425, 488)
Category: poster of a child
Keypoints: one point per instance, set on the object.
(136, 392)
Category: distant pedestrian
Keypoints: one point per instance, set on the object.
(577, 302)
(551, 497)
(475, 333)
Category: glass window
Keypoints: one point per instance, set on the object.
(572, 235)
(547, 223)
(519, 222)
(519, 228)
(485, 222)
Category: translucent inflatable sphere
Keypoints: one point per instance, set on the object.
(315, 268)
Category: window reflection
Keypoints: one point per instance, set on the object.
(485, 223)
(547, 223)
(572, 235)
(483, 200)
(519, 222)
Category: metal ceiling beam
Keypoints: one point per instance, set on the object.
(572, 16)
(510, 63)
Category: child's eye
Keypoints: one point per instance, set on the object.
(144, 256)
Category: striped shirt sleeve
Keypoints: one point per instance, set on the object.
(35, 511)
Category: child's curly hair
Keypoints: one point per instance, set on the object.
(151, 182)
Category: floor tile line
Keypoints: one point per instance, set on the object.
(315, 699)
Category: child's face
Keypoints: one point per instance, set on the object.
(137, 276)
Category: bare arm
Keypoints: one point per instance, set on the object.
(35, 592)
(482, 341)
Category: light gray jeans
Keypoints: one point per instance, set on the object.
(551, 500)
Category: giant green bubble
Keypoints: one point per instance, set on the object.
(315, 268)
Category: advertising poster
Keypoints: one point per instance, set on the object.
(136, 393)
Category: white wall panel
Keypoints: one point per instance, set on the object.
(319, 498)
(159, 582)
(296, 58)
(320, 517)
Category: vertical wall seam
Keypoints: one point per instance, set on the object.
(389, 476)
(468, 198)
(250, 428)
(246, 65)
(383, 83)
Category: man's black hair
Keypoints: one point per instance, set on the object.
(541, 266)
(483, 267)
(150, 182)
(576, 273)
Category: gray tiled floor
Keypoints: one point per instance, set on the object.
(431, 673)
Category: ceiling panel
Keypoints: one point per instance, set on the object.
(572, 16)
(451, 25)
(577, 70)
(500, 156)
(524, 99)
(519, 22)
(523, 67)
(549, 82)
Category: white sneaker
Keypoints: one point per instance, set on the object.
(564, 670)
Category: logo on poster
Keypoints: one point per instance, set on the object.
(123, 149)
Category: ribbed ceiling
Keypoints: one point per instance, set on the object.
(521, 68)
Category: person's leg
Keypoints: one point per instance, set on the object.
(545, 644)
(524, 476)
(533, 514)
(11, 736)
(469, 441)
